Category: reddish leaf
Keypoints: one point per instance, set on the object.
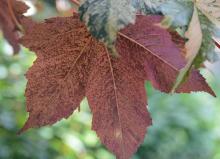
(117, 97)
(72, 65)
(163, 59)
(10, 13)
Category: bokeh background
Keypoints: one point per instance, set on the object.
(185, 126)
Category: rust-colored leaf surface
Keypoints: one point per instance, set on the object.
(163, 59)
(10, 14)
(72, 65)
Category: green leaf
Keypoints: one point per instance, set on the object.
(104, 18)
(211, 9)
(195, 36)
(207, 50)
(180, 12)
(148, 6)
(177, 12)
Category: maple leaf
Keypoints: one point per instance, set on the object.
(10, 14)
(104, 18)
(72, 65)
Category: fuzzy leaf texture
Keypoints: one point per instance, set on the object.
(104, 18)
(71, 65)
(8, 20)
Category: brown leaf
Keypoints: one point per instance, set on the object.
(163, 59)
(10, 14)
(72, 65)
(117, 98)
(60, 73)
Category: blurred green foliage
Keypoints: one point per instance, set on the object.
(185, 126)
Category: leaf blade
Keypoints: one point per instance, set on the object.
(104, 18)
(118, 106)
(114, 86)
(55, 81)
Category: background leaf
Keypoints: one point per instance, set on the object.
(211, 9)
(192, 46)
(104, 18)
